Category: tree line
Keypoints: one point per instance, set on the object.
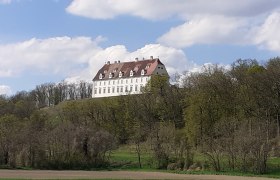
(231, 117)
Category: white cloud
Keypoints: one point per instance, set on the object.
(78, 58)
(250, 22)
(5, 90)
(267, 35)
(60, 55)
(261, 31)
(160, 9)
(5, 1)
(206, 30)
(174, 59)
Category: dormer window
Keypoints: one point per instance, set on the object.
(148, 66)
(101, 76)
(115, 70)
(111, 75)
(143, 72)
(131, 73)
(120, 74)
(105, 71)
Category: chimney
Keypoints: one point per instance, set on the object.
(136, 59)
(108, 62)
(151, 57)
(119, 61)
(115, 62)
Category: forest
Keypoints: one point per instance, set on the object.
(231, 117)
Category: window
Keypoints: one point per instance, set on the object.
(104, 90)
(136, 80)
(146, 79)
(111, 75)
(109, 89)
(100, 83)
(141, 87)
(121, 81)
(126, 88)
(109, 82)
(101, 76)
(99, 90)
(117, 89)
(95, 83)
(95, 91)
(126, 81)
(104, 83)
(113, 82)
(131, 73)
(141, 79)
(131, 81)
(113, 89)
(131, 88)
(120, 74)
(121, 89)
(143, 72)
(136, 88)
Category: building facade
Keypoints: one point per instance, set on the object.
(123, 78)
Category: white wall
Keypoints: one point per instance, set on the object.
(119, 86)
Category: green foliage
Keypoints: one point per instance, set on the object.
(222, 120)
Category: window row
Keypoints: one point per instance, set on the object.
(118, 89)
(132, 73)
(121, 81)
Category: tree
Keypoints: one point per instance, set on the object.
(10, 131)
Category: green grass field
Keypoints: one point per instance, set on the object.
(127, 159)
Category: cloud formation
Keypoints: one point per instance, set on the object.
(160, 9)
(5, 90)
(78, 58)
(174, 59)
(250, 22)
(267, 35)
(206, 30)
(59, 55)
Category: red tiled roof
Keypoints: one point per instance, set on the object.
(125, 67)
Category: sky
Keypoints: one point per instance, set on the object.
(45, 41)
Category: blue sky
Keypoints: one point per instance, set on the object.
(53, 40)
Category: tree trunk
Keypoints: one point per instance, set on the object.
(138, 154)
(278, 126)
(6, 157)
(85, 146)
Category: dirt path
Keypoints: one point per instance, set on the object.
(42, 174)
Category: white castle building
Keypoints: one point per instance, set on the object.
(123, 78)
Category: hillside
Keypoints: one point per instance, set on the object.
(228, 118)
